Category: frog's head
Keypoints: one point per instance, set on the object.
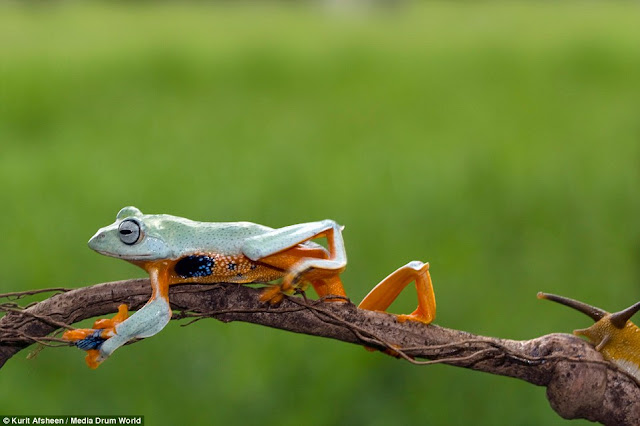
(133, 236)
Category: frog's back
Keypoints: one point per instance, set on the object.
(186, 236)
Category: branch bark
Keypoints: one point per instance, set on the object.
(580, 384)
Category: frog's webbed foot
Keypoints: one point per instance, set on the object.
(381, 297)
(88, 340)
(325, 288)
(108, 335)
(91, 339)
(272, 294)
(276, 292)
(326, 284)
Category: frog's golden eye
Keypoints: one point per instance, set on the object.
(129, 231)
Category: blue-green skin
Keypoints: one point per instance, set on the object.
(170, 237)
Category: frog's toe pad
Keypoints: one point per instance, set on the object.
(93, 358)
(111, 323)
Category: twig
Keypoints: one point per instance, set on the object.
(580, 384)
(20, 294)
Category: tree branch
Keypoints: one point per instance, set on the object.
(580, 384)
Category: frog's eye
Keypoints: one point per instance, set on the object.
(129, 231)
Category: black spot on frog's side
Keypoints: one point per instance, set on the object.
(194, 266)
(231, 266)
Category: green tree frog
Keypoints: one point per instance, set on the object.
(177, 250)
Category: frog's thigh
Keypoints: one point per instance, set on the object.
(277, 240)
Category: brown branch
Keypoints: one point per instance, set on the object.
(580, 384)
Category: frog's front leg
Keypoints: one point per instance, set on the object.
(109, 334)
(284, 248)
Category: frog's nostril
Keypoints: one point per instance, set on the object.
(97, 240)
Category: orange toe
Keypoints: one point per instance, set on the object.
(77, 334)
(414, 317)
(123, 314)
(272, 295)
(101, 324)
(92, 358)
(276, 299)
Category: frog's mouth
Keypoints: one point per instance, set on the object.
(123, 256)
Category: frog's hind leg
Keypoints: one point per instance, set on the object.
(289, 249)
(325, 283)
(382, 295)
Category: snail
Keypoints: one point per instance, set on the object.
(614, 336)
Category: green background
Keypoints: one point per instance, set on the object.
(498, 141)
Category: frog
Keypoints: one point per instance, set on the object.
(176, 250)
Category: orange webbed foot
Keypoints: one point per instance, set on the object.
(272, 295)
(107, 327)
(90, 339)
(418, 317)
(382, 295)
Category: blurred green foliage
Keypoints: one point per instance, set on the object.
(498, 141)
